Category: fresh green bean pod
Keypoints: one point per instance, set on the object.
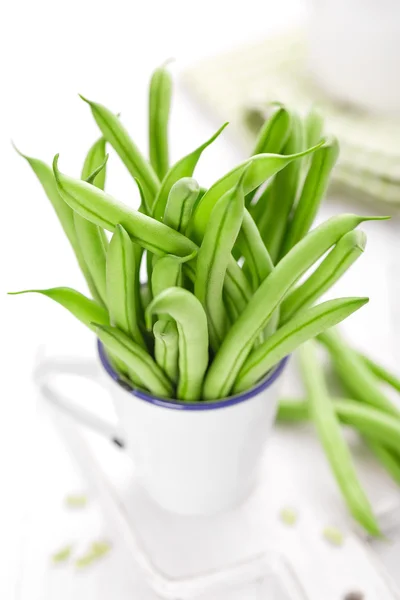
(371, 422)
(354, 373)
(117, 136)
(167, 272)
(336, 449)
(159, 108)
(136, 359)
(95, 158)
(91, 238)
(284, 192)
(240, 338)
(180, 203)
(183, 168)
(64, 213)
(262, 167)
(166, 348)
(381, 373)
(314, 188)
(191, 320)
(213, 259)
(272, 136)
(84, 309)
(275, 131)
(93, 244)
(338, 261)
(386, 457)
(260, 212)
(254, 251)
(102, 209)
(314, 127)
(298, 330)
(123, 295)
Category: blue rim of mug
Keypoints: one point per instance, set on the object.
(264, 383)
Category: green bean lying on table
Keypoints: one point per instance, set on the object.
(355, 374)
(336, 449)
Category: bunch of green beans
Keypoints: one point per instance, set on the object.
(369, 411)
(220, 307)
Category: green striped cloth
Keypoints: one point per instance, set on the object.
(237, 87)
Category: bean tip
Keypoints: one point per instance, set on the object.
(84, 99)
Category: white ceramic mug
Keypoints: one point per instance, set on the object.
(354, 51)
(197, 458)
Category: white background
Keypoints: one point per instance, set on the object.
(50, 52)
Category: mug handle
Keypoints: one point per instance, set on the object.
(43, 375)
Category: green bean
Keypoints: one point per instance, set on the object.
(191, 320)
(180, 203)
(381, 373)
(166, 348)
(136, 359)
(254, 251)
(102, 209)
(283, 192)
(237, 286)
(370, 422)
(123, 295)
(183, 168)
(354, 373)
(117, 136)
(262, 167)
(386, 457)
(167, 272)
(314, 126)
(260, 212)
(275, 131)
(336, 449)
(314, 188)
(159, 107)
(299, 329)
(91, 238)
(213, 259)
(339, 259)
(94, 160)
(84, 309)
(240, 338)
(64, 213)
(272, 136)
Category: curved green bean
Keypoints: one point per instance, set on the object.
(136, 359)
(159, 107)
(272, 136)
(275, 131)
(252, 247)
(180, 203)
(84, 309)
(240, 338)
(370, 422)
(354, 373)
(123, 294)
(117, 136)
(64, 213)
(336, 449)
(213, 259)
(93, 244)
(386, 457)
(262, 167)
(299, 329)
(191, 320)
(166, 348)
(314, 126)
(283, 192)
(96, 160)
(381, 372)
(102, 209)
(338, 261)
(183, 168)
(314, 188)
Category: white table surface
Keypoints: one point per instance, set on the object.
(50, 52)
